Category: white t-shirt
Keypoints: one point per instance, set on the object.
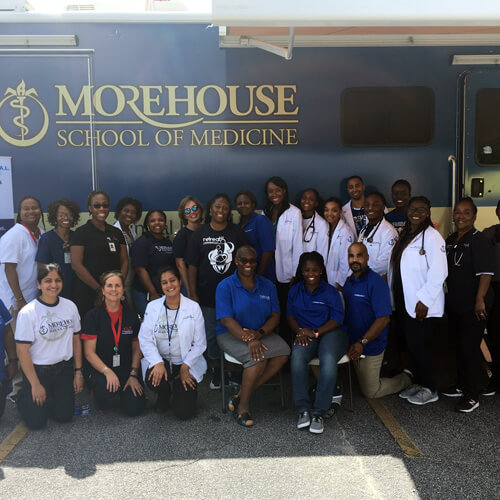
(17, 247)
(49, 329)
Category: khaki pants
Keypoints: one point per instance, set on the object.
(18, 379)
(372, 385)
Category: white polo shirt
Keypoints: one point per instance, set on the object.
(17, 247)
(49, 329)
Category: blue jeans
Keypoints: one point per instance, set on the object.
(140, 301)
(329, 348)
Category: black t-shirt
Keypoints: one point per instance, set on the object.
(97, 325)
(468, 258)
(181, 241)
(101, 254)
(213, 252)
(151, 254)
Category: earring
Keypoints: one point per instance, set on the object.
(122, 298)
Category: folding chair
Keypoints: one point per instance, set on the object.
(224, 356)
(342, 361)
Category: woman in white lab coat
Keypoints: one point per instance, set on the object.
(340, 238)
(379, 235)
(315, 237)
(172, 339)
(287, 222)
(418, 269)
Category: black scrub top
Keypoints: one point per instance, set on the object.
(97, 325)
(101, 254)
(468, 258)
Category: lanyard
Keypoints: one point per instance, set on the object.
(35, 241)
(117, 333)
(170, 329)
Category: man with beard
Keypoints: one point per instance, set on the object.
(367, 315)
(353, 212)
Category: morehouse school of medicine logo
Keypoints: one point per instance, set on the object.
(53, 328)
(24, 121)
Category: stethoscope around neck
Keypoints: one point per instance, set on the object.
(371, 234)
(311, 227)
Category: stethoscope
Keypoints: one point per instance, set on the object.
(312, 227)
(422, 249)
(362, 236)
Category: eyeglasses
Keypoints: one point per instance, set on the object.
(100, 205)
(244, 260)
(194, 208)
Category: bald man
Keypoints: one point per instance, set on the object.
(367, 315)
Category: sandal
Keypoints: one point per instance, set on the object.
(244, 419)
(233, 403)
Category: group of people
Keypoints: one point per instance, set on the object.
(103, 307)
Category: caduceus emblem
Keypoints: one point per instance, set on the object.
(20, 99)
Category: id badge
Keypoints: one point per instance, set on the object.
(116, 360)
(67, 258)
(112, 246)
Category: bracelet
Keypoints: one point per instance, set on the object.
(133, 375)
(262, 332)
(19, 298)
(13, 360)
(105, 370)
(78, 369)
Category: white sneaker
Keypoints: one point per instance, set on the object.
(316, 426)
(304, 420)
(410, 391)
(423, 397)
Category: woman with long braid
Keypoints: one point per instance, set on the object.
(417, 271)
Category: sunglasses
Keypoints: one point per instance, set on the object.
(100, 205)
(244, 260)
(194, 208)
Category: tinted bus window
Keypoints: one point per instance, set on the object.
(488, 127)
(387, 116)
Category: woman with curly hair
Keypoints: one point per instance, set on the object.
(54, 245)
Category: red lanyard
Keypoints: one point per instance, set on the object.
(35, 241)
(116, 333)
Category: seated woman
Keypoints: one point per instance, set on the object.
(111, 347)
(247, 310)
(172, 339)
(49, 350)
(315, 314)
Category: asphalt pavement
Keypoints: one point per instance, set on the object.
(211, 457)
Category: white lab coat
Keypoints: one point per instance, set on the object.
(380, 248)
(348, 219)
(191, 328)
(319, 239)
(423, 275)
(337, 265)
(289, 246)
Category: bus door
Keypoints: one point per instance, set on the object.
(481, 142)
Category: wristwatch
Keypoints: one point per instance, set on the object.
(363, 341)
(262, 332)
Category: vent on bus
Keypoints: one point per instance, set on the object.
(80, 7)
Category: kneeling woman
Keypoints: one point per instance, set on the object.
(315, 313)
(173, 340)
(49, 350)
(248, 311)
(112, 349)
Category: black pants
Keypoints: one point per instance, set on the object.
(468, 333)
(418, 336)
(131, 405)
(58, 383)
(493, 337)
(4, 388)
(183, 402)
(284, 329)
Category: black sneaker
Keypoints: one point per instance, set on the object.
(453, 392)
(467, 405)
(490, 389)
(215, 382)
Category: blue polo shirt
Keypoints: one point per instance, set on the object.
(260, 233)
(366, 299)
(51, 248)
(312, 310)
(251, 309)
(5, 319)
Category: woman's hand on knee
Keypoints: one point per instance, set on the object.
(39, 394)
(187, 379)
(157, 374)
(257, 349)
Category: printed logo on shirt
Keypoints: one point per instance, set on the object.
(189, 316)
(164, 248)
(318, 302)
(53, 328)
(221, 257)
(392, 242)
(359, 295)
(443, 249)
(161, 331)
(127, 330)
(265, 297)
